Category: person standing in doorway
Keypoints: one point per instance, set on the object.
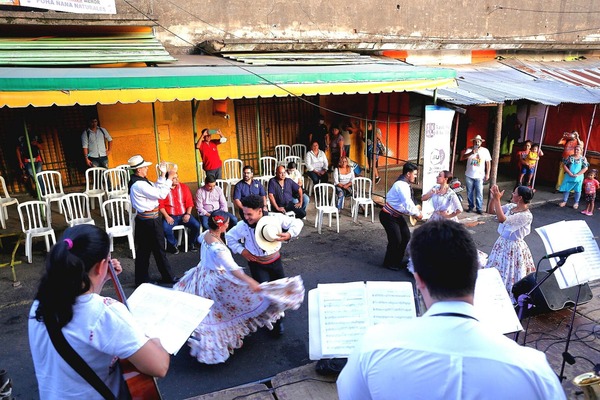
(478, 170)
(26, 164)
(211, 161)
(97, 144)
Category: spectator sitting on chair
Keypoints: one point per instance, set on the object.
(293, 173)
(282, 193)
(343, 176)
(246, 187)
(316, 164)
(209, 198)
(176, 209)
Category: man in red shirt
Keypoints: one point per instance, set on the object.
(211, 162)
(176, 209)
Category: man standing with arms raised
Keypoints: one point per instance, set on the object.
(211, 161)
(149, 234)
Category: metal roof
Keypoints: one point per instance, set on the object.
(494, 82)
(115, 48)
(583, 73)
(308, 58)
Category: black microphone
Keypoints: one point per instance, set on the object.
(564, 253)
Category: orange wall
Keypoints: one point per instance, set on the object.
(132, 129)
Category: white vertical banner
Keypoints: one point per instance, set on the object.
(436, 153)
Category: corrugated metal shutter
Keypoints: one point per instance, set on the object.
(128, 47)
(282, 121)
(59, 128)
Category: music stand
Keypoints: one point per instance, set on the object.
(524, 302)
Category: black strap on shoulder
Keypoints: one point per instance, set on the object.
(74, 360)
(453, 314)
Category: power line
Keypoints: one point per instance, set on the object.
(301, 98)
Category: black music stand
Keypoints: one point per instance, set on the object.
(524, 302)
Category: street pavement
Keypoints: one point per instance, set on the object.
(355, 254)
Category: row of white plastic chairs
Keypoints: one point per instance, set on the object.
(36, 219)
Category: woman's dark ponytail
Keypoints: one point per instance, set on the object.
(67, 267)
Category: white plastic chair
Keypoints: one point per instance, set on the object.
(289, 159)
(77, 209)
(362, 196)
(115, 183)
(232, 170)
(182, 235)
(35, 222)
(118, 221)
(325, 200)
(299, 150)
(94, 186)
(202, 173)
(5, 201)
(281, 152)
(267, 166)
(53, 188)
(225, 186)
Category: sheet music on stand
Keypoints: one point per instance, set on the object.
(340, 313)
(579, 268)
(492, 304)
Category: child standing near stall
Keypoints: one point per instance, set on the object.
(529, 158)
(590, 185)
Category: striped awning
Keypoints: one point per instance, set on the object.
(42, 87)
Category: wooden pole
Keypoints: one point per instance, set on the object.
(497, 144)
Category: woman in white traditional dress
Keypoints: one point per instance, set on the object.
(241, 304)
(510, 254)
(445, 202)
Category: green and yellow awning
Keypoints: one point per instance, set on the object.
(43, 87)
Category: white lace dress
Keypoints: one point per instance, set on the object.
(445, 203)
(237, 310)
(510, 255)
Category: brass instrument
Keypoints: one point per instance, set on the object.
(590, 385)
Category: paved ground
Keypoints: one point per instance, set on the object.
(354, 254)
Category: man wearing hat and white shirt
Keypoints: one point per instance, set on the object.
(262, 236)
(478, 169)
(149, 234)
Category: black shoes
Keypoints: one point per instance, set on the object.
(479, 212)
(278, 329)
(377, 180)
(172, 249)
(193, 248)
(469, 209)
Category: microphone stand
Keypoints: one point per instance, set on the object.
(567, 357)
(524, 300)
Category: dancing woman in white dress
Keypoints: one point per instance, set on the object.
(241, 304)
(445, 202)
